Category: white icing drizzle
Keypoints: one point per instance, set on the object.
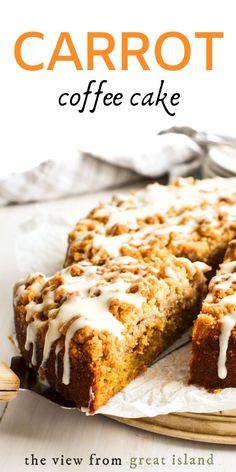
(192, 201)
(230, 299)
(94, 313)
(87, 306)
(112, 244)
(57, 350)
(158, 199)
(223, 282)
(19, 289)
(34, 307)
(31, 338)
(183, 225)
(201, 266)
(228, 323)
(224, 286)
(171, 273)
(36, 286)
(189, 265)
(228, 267)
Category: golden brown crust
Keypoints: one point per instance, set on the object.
(100, 363)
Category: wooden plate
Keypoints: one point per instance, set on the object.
(217, 427)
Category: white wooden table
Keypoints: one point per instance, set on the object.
(31, 425)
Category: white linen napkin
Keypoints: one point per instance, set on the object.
(173, 152)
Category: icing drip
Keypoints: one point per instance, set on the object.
(31, 338)
(228, 323)
(57, 350)
(223, 281)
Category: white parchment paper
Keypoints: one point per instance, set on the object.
(40, 247)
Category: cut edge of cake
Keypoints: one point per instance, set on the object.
(213, 362)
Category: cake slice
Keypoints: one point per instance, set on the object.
(193, 219)
(213, 363)
(89, 330)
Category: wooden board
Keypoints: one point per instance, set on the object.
(217, 427)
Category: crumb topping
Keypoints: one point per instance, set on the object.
(186, 212)
(103, 299)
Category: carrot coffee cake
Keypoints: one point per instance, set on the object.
(89, 330)
(213, 363)
(131, 286)
(194, 219)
